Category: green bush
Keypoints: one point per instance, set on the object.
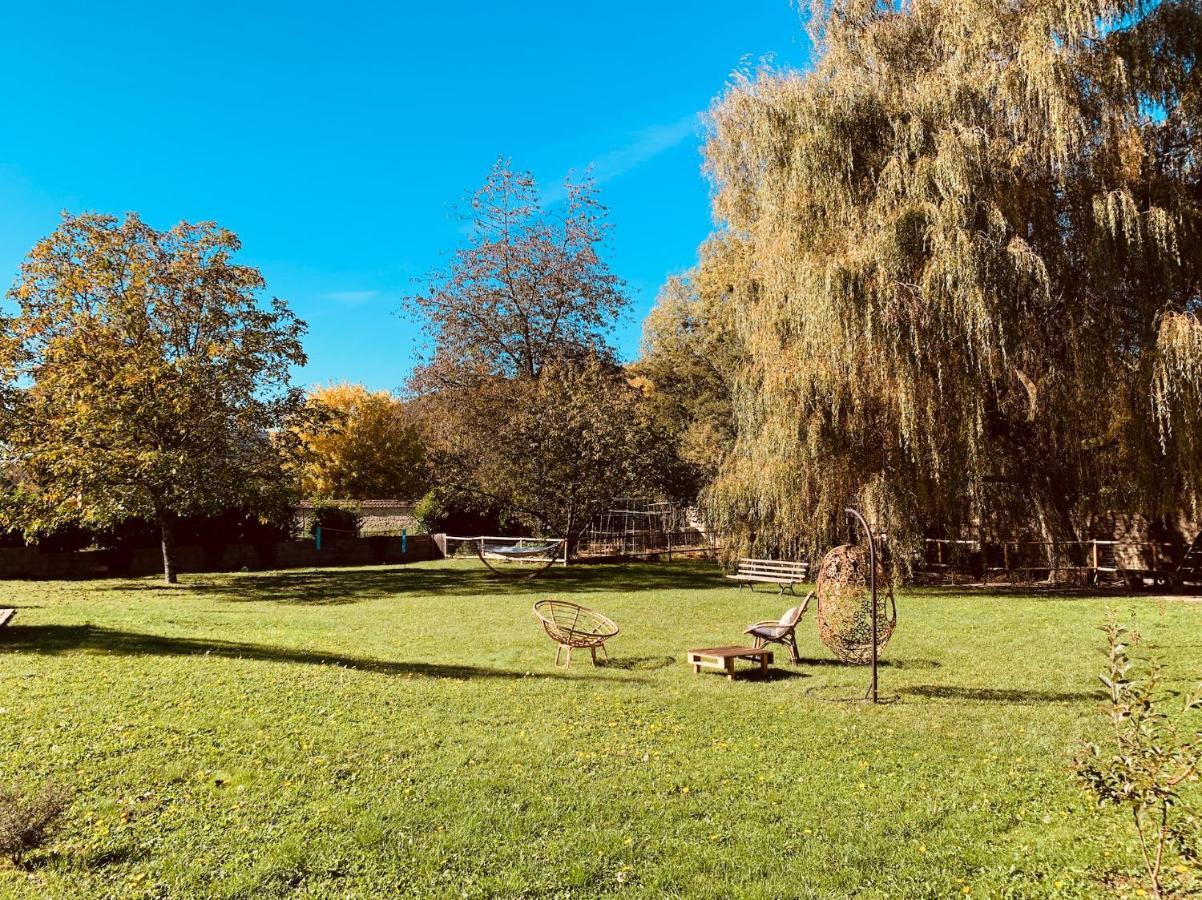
(336, 522)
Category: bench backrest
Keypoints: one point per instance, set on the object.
(774, 568)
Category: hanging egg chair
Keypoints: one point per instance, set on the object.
(845, 604)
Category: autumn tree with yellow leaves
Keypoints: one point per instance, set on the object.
(365, 446)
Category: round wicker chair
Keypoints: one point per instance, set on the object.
(845, 605)
(570, 625)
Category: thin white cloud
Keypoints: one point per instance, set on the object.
(646, 144)
(352, 298)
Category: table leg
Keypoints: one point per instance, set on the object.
(764, 664)
(730, 668)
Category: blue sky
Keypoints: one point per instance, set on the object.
(336, 138)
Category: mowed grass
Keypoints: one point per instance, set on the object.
(403, 731)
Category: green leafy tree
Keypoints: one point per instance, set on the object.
(555, 451)
(974, 244)
(691, 356)
(145, 378)
(524, 412)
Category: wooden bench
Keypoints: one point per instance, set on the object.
(781, 572)
(6, 616)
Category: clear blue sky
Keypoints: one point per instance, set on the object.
(334, 138)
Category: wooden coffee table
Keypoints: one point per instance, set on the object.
(723, 659)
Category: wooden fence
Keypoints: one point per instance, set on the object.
(1017, 560)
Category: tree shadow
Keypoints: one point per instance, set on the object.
(753, 673)
(1000, 695)
(639, 663)
(57, 639)
(776, 673)
(331, 587)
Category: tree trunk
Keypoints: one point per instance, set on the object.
(1058, 529)
(167, 530)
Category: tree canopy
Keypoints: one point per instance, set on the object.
(524, 411)
(974, 237)
(144, 378)
(691, 356)
(529, 285)
(555, 451)
(360, 445)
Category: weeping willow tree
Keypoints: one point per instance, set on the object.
(975, 240)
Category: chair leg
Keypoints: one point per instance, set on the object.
(794, 656)
(593, 652)
(558, 651)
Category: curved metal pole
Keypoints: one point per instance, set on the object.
(851, 513)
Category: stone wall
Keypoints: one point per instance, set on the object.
(378, 516)
(27, 562)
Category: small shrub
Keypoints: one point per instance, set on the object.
(27, 820)
(336, 522)
(1148, 756)
(429, 512)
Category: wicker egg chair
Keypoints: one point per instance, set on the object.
(845, 604)
(572, 626)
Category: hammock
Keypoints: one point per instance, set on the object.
(517, 551)
(515, 557)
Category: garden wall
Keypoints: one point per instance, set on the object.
(27, 562)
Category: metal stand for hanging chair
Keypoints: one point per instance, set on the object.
(860, 652)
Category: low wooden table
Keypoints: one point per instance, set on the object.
(723, 659)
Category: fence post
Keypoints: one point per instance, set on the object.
(317, 537)
(1094, 542)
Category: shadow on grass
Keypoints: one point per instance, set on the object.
(1000, 695)
(639, 663)
(330, 587)
(883, 664)
(777, 674)
(56, 639)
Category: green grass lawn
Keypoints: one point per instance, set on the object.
(403, 730)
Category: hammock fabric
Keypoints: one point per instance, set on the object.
(517, 552)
